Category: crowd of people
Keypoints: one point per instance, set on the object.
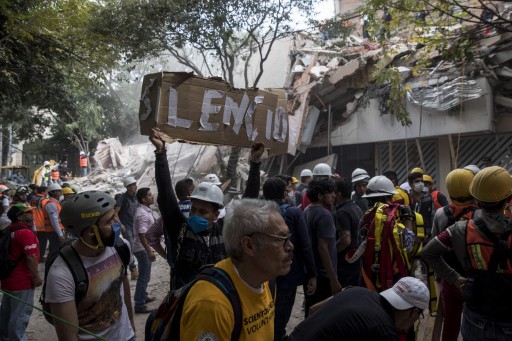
(361, 247)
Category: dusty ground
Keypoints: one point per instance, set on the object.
(40, 330)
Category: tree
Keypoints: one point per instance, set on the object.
(229, 32)
(442, 29)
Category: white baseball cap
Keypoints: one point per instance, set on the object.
(407, 293)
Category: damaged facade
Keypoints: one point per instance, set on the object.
(459, 113)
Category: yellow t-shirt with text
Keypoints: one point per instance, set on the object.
(208, 314)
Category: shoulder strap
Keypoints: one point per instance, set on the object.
(124, 252)
(73, 261)
(221, 280)
(448, 213)
(501, 252)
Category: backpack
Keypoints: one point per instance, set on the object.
(74, 263)
(382, 245)
(465, 214)
(164, 325)
(7, 265)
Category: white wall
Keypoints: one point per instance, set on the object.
(367, 124)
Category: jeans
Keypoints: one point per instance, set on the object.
(84, 171)
(144, 277)
(480, 327)
(44, 238)
(128, 235)
(285, 298)
(452, 310)
(15, 315)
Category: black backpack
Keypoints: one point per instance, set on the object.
(7, 265)
(74, 263)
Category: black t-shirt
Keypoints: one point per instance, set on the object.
(321, 225)
(353, 314)
(347, 217)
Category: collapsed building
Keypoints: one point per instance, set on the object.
(458, 113)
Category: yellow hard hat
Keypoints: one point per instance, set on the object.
(67, 190)
(294, 180)
(457, 183)
(417, 170)
(428, 178)
(491, 184)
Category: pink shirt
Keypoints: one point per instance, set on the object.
(143, 220)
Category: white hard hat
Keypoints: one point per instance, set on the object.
(380, 186)
(474, 168)
(306, 172)
(209, 192)
(46, 163)
(82, 153)
(54, 187)
(322, 169)
(129, 181)
(3, 188)
(359, 175)
(214, 179)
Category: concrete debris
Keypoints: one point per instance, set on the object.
(185, 160)
(343, 70)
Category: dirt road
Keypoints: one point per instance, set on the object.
(40, 330)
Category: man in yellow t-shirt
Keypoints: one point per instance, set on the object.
(258, 244)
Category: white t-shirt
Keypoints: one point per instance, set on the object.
(102, 311)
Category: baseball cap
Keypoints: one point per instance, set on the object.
(17, 209)
(407, 293)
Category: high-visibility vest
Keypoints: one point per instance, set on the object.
(480, 250)
(46, 174)
(38, 213)
(48, 227)
(83, 161)
(55, 174)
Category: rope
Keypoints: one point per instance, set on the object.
(53, 316)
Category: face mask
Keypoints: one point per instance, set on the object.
(116, 230)
(197, 224)
(418, 187)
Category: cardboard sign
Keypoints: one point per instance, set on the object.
(210, 111)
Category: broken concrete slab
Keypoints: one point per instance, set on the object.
(345, 70)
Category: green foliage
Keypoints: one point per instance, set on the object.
(392, 101)
(448, 29)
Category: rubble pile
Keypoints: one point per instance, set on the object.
(326, 74)
(116, 162)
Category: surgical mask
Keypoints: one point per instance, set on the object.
(418, 187)
(197, 224)
(116, 230)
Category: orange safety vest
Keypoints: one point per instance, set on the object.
(38, 213)
(480, 249)
(83, 161)
(435, 194)
(47, 225)
(55, 174)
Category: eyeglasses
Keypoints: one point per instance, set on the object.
(284, 239)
